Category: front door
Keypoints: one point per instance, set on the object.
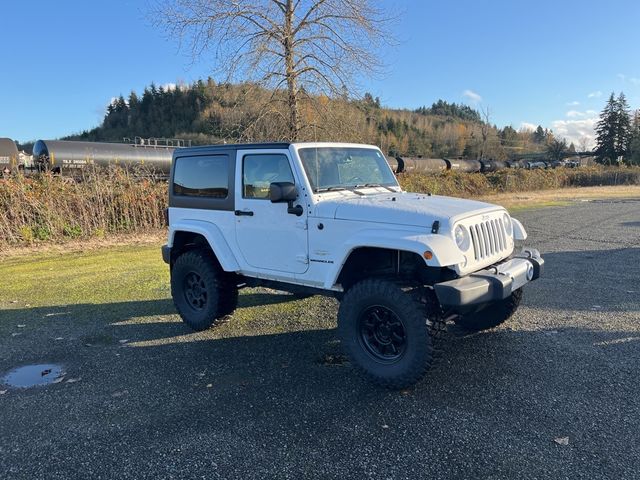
(268, 237)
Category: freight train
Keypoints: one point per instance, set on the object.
(154, 155)
(433, 165)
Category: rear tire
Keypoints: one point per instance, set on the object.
(202, 292)
(492, 316)
(383, 328)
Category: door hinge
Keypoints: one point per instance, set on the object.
(302, 259)
(302, 224)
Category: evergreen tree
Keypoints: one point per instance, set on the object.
(623, 125)
(446, 109)
(613, 130)
(633, 151)
(557, 149)
(540, 135)
(508, 136)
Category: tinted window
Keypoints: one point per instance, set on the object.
(259, 171)
(202, 176)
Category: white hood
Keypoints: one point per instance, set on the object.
(402, 208)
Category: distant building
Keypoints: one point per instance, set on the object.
(25, 159)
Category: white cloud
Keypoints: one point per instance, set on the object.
(471, 95)
(577, 130)
(595, 94)
(168, 87)
(575, 113)
(573, 104)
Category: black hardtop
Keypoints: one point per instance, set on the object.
(204, 149)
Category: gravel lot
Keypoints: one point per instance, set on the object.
(168, 403)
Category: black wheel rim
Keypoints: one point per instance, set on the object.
(382, 334)
(195, 291)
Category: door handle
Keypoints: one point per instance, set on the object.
(241, 213)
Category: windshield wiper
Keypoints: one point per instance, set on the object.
(374, 185)
(335, 189)
(329, 189)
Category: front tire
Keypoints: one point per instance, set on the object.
(201, 291)
(492, 316)
(383, 327)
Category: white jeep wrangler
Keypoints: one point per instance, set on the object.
(330, 218)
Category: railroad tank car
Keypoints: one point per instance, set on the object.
(66, 156)
(539, 165)
(466, 166)
(8, 155)
(492, 165)
(515, 164)
(417, 164)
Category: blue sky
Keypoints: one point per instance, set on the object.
(547, 62)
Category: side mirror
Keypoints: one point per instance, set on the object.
(281, 192)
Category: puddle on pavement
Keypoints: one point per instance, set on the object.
(34, 376)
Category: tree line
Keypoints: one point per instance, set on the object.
(210, 112)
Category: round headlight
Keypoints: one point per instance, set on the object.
(508, 226)
(462, 238)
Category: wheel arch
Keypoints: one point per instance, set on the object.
(185, 235)
(444, 251)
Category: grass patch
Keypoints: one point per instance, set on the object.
(103, 287)
(103, 276)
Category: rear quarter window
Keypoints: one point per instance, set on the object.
(202, 176)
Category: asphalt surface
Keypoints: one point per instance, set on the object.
(167, 404)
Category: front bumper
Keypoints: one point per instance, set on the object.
(492, 284)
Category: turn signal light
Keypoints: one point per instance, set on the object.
(428, 255)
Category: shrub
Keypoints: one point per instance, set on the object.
(517, 180)
(47, 207)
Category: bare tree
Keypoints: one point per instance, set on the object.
(584, 143)
(301, 47)
(485, 129)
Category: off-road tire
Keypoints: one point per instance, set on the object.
(492, 316)
(228, 294)
(302, 296)
(202, 292)
(397, 301)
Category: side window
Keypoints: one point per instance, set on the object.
(259, 171)
(206, 176)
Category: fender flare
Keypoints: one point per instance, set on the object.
(444, 250)
(211, 232)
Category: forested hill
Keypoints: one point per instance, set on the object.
(207, 112)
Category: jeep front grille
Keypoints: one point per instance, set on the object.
(488, 238)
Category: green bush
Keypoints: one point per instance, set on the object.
(51, 208)
(72, 231)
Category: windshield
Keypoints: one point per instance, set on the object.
(336, 168)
